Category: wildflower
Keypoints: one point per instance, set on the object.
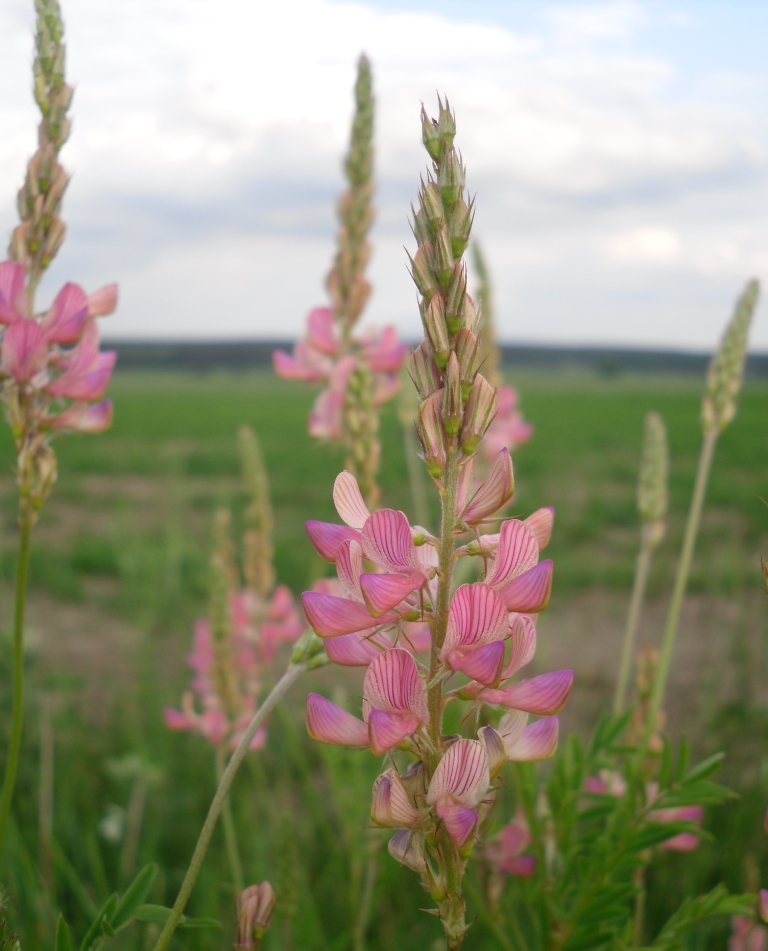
(505, 851)
(254, 909)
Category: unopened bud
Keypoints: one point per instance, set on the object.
(431, 437)
(450, 178)
(358, 294)
(446, 123)
(18, 249)
(420, 227)
(424, 372)
(452, 398)
(726, 370)
(478, 414)
(494, 748)
(53, 241)
(443, 257)
(460, 227)
(432, 203)
(456, 304)
(468, 352)
(430, 136)
(652, 485)
(434, 326)
(254, 907)
(421, 270)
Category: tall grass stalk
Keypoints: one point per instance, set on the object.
(228, 827)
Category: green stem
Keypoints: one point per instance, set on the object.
(633, 619)
(681, 582)
(637, 927)
(281, 687)
(484, 914)
(373, 843)
(22, 573)
(228, 824)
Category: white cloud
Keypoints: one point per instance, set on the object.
(208, 138)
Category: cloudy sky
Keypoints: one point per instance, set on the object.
(619, 152)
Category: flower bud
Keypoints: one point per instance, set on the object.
(18, 250)
(452, 397)
(726, 370)
(424, 372)
(652, 485)
(494, 748)
(420, 227)
(430, 136)
(432, 204)
(456, 304)
(443, 257)
(421, 270)
(446, 123)
(460, 226)
(53, 241)
(450, 178)
(468, 352)
(430, 430)
(433, 318)
(254, 907)
(478, 414)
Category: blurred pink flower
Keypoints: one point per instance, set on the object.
(508, 429)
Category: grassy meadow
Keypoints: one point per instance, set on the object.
(119, 574)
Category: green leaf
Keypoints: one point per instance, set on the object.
(654, 833)
(134, 896)
(95, 932)
(704, 769)
(159, 914)
(62, 936)
(696, 794)
(665, 773)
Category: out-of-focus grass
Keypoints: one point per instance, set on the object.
(119, 575)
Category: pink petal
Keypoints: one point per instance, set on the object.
(13, 293)
(383, 592)
(325, 415)
(462, 774)
(407, 849)
(349, 564)
(328, 537)
(477, 616)
(685, 842)
(493, 493)
(523, 640)
(515, 837)
(176, 720)
(482, 664)
(387, 355)
(392, 683)
(356, 650)
(25, 351)
(537, 742)
(349, 501)
(523, 866)
(85, 417)
(529, 593)
(387, 730)
(289, 368)
(321, 330)
(464, 484)
(460, 821)
(66, 318)
(542, 695)
(85, 380)
(330, 616)
(417, 637)
(387, 541)
(511, 726)
(390, 805)
(328, 723)
(763, 904)
(518, 552)
(541, 523)
(103, 301)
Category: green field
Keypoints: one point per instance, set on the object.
(119, 575)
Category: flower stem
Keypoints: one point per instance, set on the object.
(681, 581)
(22, 573)
(228, 825)
(281, 687)
(633, 619)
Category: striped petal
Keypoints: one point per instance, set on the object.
(392, 683)
(462, 776)
(13, 293)
(383, 592)
(493, 493)
(483, 664)
(477, 616)
(330, 616)
(328, 723)
(541, 522)
(327, 537)
(356, 650)
(349, 565)
(25, 350)
(387, 730)
(523, 640)
(390, 805)
(349, 501)
(407, 849)
(387, 541)
(529, 593)
(536, 742)
(543, 695)
(511, 726)
(460, 821)
(67, 315)
(518, 552)
(464, 484)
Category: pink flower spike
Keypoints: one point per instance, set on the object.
(65, 321)
(542, 695)
(477, 616)
(390, 806)
(536, 742)
(103, 302)
(327, 537)
(384, 592)
(321, 331)
(541, 523)
(85, 417)
(517, 553)
(529, 592)
(388, 730)
(13, 293)
(392, 684)
(492, 494)
(387, 541)
(348, 500)
(330, 616)
(328, 723)
(25, 351)
(460, 821)
(483, 664)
